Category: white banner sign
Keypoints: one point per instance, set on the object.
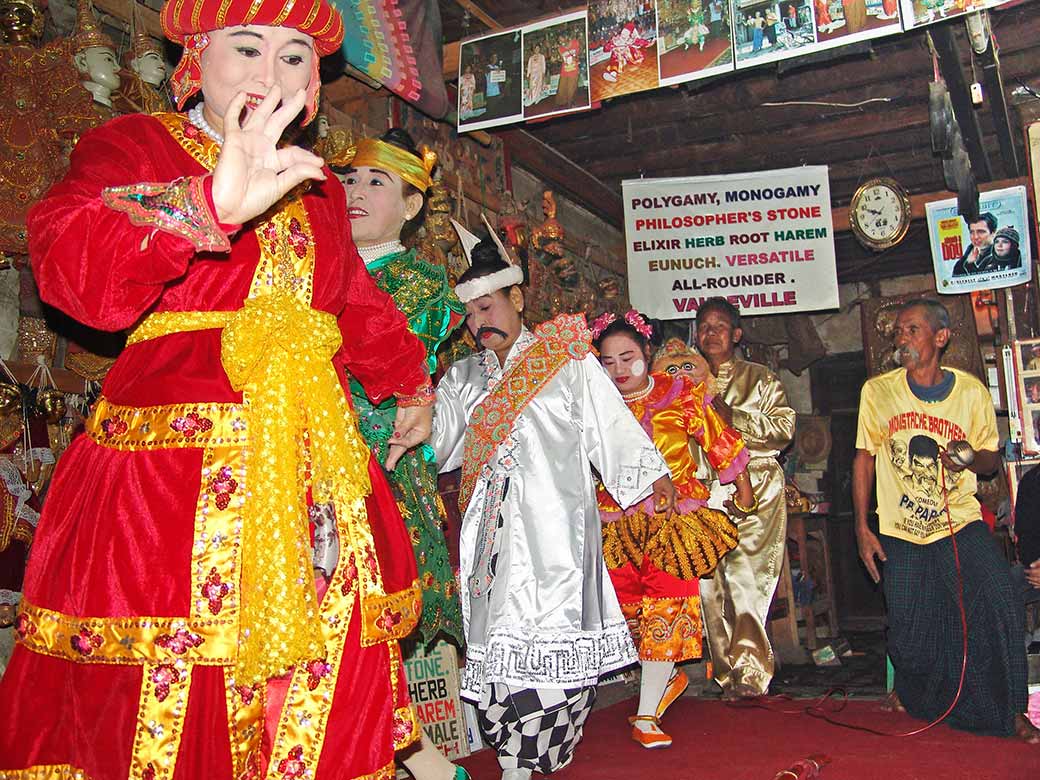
(762, 240)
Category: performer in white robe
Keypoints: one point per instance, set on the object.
(525, 418)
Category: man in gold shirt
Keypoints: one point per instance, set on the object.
(943, 419)
(736, 600)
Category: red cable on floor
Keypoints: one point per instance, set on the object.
(818, 708)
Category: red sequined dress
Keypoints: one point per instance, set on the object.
(134, 595)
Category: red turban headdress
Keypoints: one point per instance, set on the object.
(187, 21)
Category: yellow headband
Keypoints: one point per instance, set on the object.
(373, 153)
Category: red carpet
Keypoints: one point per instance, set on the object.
(714, 741)
(680, 61)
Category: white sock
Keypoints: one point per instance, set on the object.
(426, 762)
(654, 680)
(516, 774)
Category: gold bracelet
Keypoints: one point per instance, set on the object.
(745, 510)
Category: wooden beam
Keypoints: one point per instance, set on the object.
(840, 215)
(450, 71)
(953, 74)
(564, 175)
(480, 13)
(998, 108)
(123, 11)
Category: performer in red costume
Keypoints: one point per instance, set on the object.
(171, 626)
(625, 47)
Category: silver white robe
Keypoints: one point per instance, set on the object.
(550, 618)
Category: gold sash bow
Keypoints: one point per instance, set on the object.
(278, 352)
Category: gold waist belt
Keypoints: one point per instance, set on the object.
(303, 437)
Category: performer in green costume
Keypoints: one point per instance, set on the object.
(386, 180)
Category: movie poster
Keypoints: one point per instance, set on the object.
(556, 71)
(694, 39)
(990, 252)
(490, 90)
(622, 47)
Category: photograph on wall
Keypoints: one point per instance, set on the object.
(1033, 158)
(694, 39)
(921, 12)
(1027, 386)
(490, 89)
(839, 22)
(622, 47)
(983, 253)
(770, 30)
(1015, 471)
(556, 73)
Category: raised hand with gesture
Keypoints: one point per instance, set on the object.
(252, 173)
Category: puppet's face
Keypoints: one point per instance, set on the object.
(100, 65)
(150, 67)
(689, 363)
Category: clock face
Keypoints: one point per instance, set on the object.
(880, 215)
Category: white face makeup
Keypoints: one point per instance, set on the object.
(625, 361)
(253, 59)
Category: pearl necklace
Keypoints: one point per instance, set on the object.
(372, 253)
(197, 118)
(639, 395)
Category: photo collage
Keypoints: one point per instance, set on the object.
(573, 61)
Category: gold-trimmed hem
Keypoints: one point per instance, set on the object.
(386, 773)
(45, 772)
(173, 426)
(122, 640)
(390, 616)
(406, 718)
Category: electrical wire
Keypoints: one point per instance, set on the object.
(1029, 90)
(831, 105)
(818, 709)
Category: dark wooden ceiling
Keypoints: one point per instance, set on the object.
(724, 126)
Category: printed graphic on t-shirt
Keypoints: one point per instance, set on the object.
(917, 476)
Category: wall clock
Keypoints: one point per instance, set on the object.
(879, 214)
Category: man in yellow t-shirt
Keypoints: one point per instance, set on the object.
(924, 433)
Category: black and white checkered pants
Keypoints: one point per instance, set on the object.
(534, 728)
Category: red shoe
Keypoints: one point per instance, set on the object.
(649, 739)
(677, 685)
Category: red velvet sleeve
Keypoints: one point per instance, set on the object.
(88, 259)
(378, 348)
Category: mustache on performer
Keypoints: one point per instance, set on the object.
(905, 355)
(484, 330)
